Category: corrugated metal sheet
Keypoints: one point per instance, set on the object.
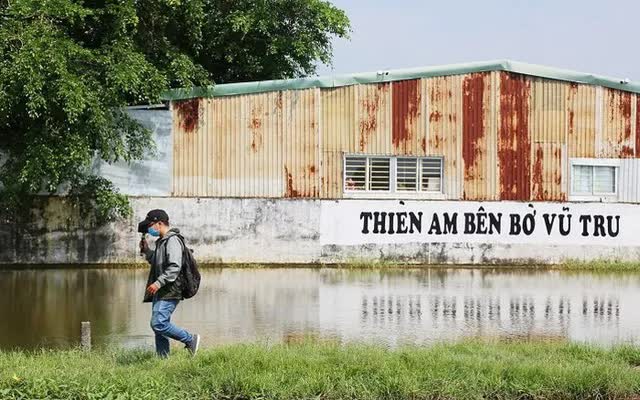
(629, 176)
(548, 131)
(444, 137)
(581, 120)
(502, 135)
(408, 127)
(616, 140)
(548, 109)
(338, 134)
(374, 118)
(300, 135)
(187, 125)
(234, 150)
(547, 172)
(479, 136)
(636, 119)
(514, 148)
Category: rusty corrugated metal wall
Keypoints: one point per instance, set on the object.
(503, 136)
(479, 136)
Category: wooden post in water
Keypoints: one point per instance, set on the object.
(85, 336)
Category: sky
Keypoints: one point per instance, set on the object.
(598, 37)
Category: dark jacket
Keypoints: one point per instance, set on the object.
(166, 263)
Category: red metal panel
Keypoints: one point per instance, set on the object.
(514, 150)
(637, 125)
(474, 144)
(406, 110)
(616, 138)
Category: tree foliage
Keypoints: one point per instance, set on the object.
(67, 69)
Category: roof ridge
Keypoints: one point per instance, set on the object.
(332, 81)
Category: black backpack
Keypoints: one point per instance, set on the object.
(189, 271)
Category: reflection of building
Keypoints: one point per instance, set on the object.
(254, 304)
(415, 307)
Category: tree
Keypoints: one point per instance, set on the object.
(242, 40)
(67, 69)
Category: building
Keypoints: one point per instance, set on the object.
(484, 131)
(490, 162)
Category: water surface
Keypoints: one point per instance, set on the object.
(44, 308)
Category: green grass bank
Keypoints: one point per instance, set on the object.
(316, 370)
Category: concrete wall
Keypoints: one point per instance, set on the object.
(284, 231)
(150, 177)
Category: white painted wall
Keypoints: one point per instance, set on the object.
(298, 231)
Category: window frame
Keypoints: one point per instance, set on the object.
(393, 191)
(594, 163)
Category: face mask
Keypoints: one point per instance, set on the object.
(153, 232)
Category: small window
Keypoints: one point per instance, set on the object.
(407, 174)
(431, 174)
(379, 174)
(393, 174)
(355, 173)
(592, 180)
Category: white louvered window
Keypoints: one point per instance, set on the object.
(355, 173)
(407, 174)
(431, 174)
(386, 174)
(379, 174)
(594, 180)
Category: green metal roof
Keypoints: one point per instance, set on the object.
(229, 89)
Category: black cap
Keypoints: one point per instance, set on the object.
(153, 216)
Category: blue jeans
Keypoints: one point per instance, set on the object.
(161, 311)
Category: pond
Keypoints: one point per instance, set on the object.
(44, 307)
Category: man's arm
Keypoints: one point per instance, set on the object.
(174, 257)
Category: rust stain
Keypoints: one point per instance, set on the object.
(312, 169)
(435, 116)
(405, 101)
(369, 121)
(436, 142)
(538, 187)
(436, 94)
(619, 123)
(255, 126)
(472, 125)
(637, 125)
(189, 114)
(424, 145)
(291, 192)
(279, 100)
(625, 112)
(572, 116)
(514, 151)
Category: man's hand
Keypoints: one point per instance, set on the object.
(152, 289)
(144, 246)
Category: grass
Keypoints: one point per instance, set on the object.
(320, 370)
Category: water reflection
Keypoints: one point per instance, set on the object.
(45, 307)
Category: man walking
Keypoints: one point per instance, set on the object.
(165, 283)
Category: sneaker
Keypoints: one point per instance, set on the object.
(194, 345)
